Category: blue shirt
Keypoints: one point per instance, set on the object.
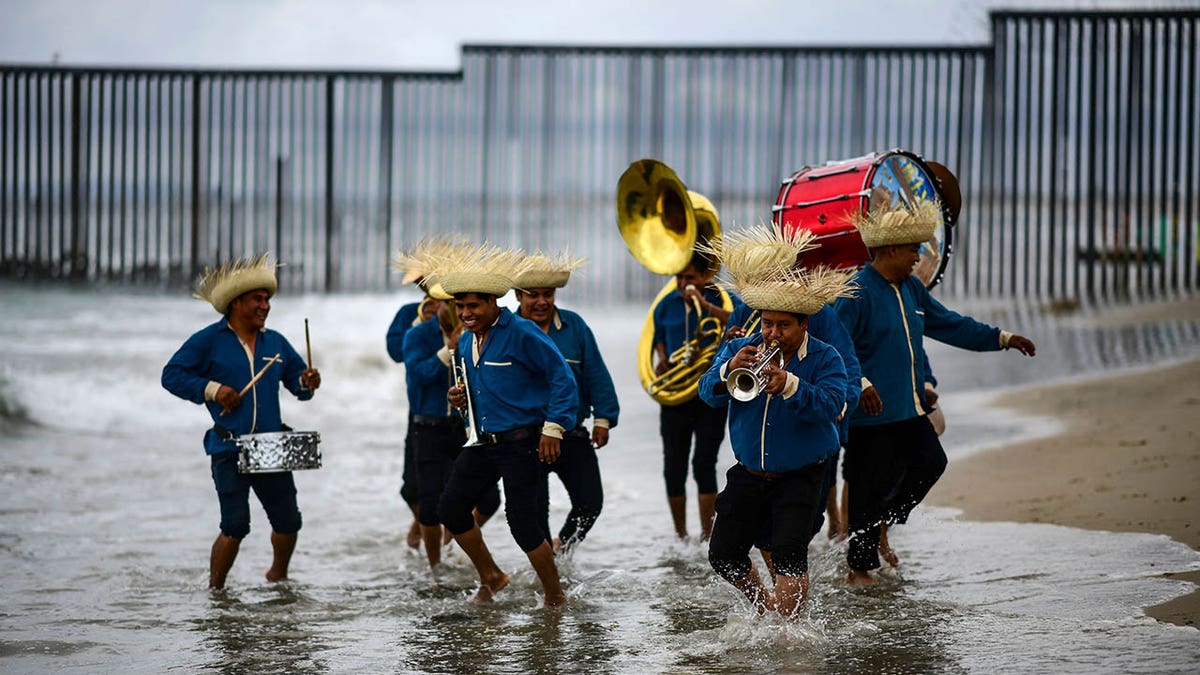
(774, 433)
(404, 319)
(826, 327)
(426, 377)
(888, 323)
(675, 321)
(520, 379)
(597, 395)
(215, 353)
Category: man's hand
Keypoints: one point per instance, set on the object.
(549, 449)
(310, 379)
(228, 397)
(870, 401)
(744, 358)
(1022, 344)
(931, 397)
(599, 436)
(734, 332)
(457, 397)
(776, 379)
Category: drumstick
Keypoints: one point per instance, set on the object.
(256, 378)
(307, 343)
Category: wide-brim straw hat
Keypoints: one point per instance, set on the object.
(543, 271)
(220, 286)
(416, 261)
(760, 265)
(899, 224)
(797, 291)
(485, 269)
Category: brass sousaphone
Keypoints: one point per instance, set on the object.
(661, 222)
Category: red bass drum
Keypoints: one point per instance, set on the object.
(825, 201)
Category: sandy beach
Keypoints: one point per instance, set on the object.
(1128, 460)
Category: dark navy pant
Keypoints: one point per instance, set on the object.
(276, 492)
(788, 501)
(579, 470)
(526, 497)
(678, 425)
(409, 490)
(890, 468)
(435, 448)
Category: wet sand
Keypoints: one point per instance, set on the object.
(1129, 460)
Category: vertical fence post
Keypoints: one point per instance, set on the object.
(329, 183)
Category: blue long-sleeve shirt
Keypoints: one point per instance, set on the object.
(574, 339)
(405, 318)
(519, 378)
(776, 433)
(674, 322)
(826, 327)
(427, 378)
(215, 354)
(887, 323)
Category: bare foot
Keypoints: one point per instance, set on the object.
(414, 536)
(555, 600)
(557, 545)
(885, 549)
(856, 578)
(274, 575)
(487, 590)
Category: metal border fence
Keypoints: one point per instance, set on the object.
(1072, 134)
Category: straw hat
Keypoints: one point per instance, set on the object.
(546, 272)
(220, 286)
(760, 264)
(417, 261)
(485, 269)
(899, 224)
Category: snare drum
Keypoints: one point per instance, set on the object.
(278, 451)
(826, 199)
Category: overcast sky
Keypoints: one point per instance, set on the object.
(427, 34)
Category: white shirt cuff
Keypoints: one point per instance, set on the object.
(552, 430)
(929, 386)
(600, 422)
(866, 384)
(1005, 336)
(211, 389)
(722, 371)
(789, 389)
(443, 355)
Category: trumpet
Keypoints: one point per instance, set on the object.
(460, 381)
(745, 384)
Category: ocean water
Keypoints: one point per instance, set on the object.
(107, 513)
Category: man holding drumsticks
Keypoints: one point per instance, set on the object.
(234, 367)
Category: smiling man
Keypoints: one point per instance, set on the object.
(577, 467)
(211, 368)
(893, 456)
(517, 388)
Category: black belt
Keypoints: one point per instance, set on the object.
(580, 433)
(508, 436)
(435, 421)
(774, 474)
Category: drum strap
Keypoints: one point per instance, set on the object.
(227, 435)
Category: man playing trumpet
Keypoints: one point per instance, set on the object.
(782, 427)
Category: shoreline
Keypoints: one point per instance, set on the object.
(1128, 460)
